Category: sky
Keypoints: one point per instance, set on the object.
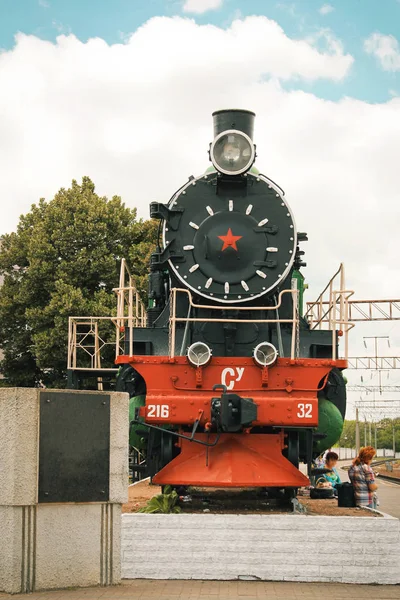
(123, 91)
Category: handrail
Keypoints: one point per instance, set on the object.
(332, 313)
(126, 293)
(83, 332)
(174, 319)
(323, 291)
(86, 335)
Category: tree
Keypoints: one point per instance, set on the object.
(384, 433)
(348, 437)
(64, 260)
(385, 429)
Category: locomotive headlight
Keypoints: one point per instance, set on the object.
(265, 354)
(232, 152)
(199, 354)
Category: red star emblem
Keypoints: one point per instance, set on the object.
(230, 240)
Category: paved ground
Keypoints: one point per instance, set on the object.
(389, 498)
(388, 493)
(220, 590)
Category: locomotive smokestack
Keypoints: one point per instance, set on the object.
(241, 120)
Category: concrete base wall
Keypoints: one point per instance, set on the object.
(265, 547)
(48, 546)
(12, 574)
(78, 543)
(19, 431)
(52, 546)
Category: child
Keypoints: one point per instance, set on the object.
(333, 477)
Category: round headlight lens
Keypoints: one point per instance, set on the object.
(265, 354)
(232, 152)
(199, 354)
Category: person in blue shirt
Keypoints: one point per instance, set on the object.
(333, 476)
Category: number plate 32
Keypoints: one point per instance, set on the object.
(304, 411)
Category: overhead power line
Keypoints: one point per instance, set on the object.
(373, 388)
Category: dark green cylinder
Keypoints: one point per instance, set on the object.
(241, 120)
(330, 422)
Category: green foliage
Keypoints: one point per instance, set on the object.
(348, 437)
(384, 434)
(63, 261)
(163, 503)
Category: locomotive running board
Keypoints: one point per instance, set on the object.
(238, 460)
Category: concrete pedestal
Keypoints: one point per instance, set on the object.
(55, 545)
(269, 547)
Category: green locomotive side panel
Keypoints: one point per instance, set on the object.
(299, 277)
(135, 438)
(330, 422)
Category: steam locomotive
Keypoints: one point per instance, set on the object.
(229, 386)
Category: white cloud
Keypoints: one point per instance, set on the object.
(386, 49)
(136, 118)
(201, 6)
(74, 108)
(323, 39)
(326, 9)
(118, 113)
(44, 3)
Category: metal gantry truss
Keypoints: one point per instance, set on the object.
(374, 310)
(374, 362)
(379, 410)
(358, 310)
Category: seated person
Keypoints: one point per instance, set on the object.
(332, 477)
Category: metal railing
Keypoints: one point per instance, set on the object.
(91, 339)
(294, 350)
(130, 308)
(331, 311)
(96, 341)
